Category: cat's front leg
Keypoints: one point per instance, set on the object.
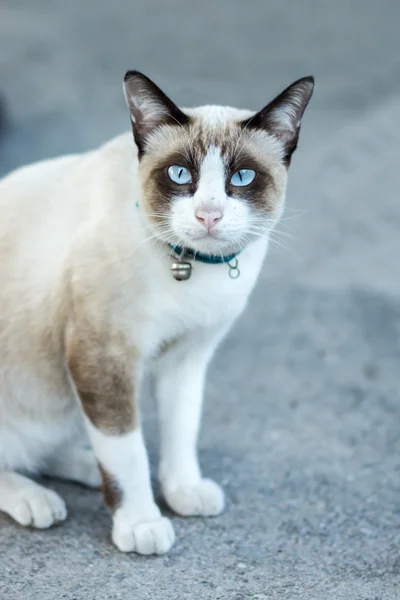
(104, 371)
(180, 373)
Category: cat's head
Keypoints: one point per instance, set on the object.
(213, 178)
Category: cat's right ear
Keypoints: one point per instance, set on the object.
(282, 117)
(149, 107)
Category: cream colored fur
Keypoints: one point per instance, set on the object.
(71, 233)
(79, 213)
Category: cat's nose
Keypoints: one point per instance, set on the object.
(208, 218)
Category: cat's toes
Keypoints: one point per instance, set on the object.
(38, 507)
(152, 537)
(205, 498)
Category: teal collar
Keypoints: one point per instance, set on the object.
(208, 259)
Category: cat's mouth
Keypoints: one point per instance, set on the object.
(206, 236)
(209, 242)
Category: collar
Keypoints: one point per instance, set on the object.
(208, 259)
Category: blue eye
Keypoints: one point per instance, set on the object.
(243, 177)
(179, 175)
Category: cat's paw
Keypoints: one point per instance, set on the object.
(151, 537)
(205, 498)
(39, 507)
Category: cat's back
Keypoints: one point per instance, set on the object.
(43, 203)
(34, 198)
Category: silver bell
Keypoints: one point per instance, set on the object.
(181, 270)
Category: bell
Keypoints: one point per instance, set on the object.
(181, 270)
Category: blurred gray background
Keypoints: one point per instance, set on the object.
(302, 418)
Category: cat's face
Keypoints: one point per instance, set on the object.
(213, 178)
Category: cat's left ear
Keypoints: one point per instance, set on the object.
(282, 116)
(149, 107)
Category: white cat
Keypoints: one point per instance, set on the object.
(128, 257)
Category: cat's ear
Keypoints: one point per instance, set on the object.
(149, 107)
(282, 116)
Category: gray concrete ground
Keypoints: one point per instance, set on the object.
(302, 418)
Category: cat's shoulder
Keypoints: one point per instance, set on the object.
(117, 151)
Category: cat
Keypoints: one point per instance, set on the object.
(134, 257)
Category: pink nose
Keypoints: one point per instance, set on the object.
(208, 218)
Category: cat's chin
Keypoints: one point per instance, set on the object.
(210, 245)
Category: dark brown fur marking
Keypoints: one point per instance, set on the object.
(161, 189)
(102, 367)
(111, 491)
(139, 85)
(257, 193)
(231, 141)
(297, 95)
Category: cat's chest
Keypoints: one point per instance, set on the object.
(209, 298)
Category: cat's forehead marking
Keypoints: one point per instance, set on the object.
(208, 138)
(222, 127)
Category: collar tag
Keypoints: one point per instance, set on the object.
(234, 271)
(182, 269)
